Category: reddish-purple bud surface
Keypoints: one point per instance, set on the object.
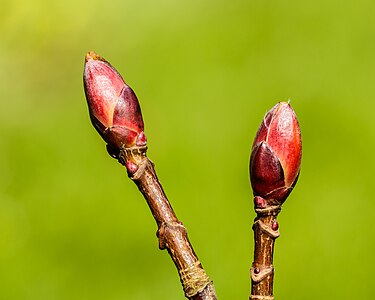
(259, 202)
(114, 108)
(131, 167)
(276, 154)
(275, 225)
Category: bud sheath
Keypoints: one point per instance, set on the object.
(113, 106)
(276, 154)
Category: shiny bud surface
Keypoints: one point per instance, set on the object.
(113, 107)
(276, 154)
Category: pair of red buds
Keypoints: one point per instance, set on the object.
(116, 115)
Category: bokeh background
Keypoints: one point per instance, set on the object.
(73, 226)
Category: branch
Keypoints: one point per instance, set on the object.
(116, 115)
(171, 232)
(274, 169)
(265, 232)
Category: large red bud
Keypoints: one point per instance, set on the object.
(113, 106)
(276, 154)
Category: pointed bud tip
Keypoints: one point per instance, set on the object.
(283, 103)
(277, 108)
(91, 55)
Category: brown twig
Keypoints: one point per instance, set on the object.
(171, 232)
(265, 232)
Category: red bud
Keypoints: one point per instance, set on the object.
(113, 106)
(131, 167)
(276, 154)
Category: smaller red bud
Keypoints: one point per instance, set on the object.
(131, 167)
(114, 108)
(260, 202)
(141, 140)
(276, 154)
(275, 225)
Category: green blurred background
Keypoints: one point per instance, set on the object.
(73, 226)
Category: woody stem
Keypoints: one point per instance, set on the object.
(171, 232)
(262, 272)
